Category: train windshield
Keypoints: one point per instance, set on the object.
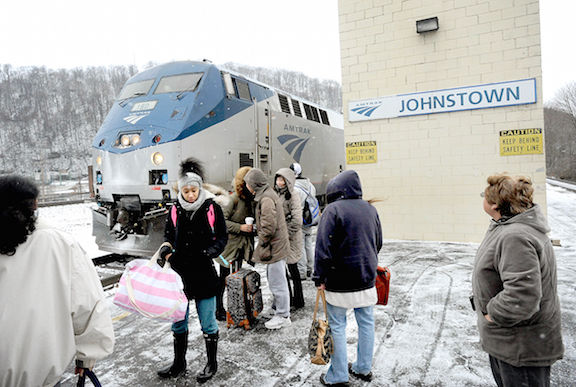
(135, 89)
(178, 83)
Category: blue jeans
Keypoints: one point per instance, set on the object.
(206, 309)
(338, 371)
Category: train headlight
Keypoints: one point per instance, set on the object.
(135, 139)
(125, 140)
(99, 160)
(157, 158)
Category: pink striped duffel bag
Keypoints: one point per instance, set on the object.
(152, 291)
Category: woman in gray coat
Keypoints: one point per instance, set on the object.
(514, 286)
(290, 200)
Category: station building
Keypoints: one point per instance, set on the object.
(437, 96)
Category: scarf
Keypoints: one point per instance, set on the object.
(192, 207)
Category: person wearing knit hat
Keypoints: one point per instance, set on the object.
(297, 168)
(273, 245)
(196, 230)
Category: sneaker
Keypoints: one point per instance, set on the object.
(366, 378)
(325, 383)
(278, 322)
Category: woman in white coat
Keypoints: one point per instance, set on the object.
(53, 307)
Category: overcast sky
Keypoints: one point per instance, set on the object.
(299, 35)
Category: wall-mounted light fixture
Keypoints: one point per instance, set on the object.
(427, 25)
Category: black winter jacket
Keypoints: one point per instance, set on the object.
(349, 238)
(195, 244)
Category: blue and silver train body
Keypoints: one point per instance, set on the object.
(170, 112)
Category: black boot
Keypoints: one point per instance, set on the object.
(220, 311)
(212, 365)
(179, 365)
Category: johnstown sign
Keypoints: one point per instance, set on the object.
(447, 100)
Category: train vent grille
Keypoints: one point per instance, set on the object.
(245, 160)
(324, 117)
(284, 103)
(296, 107)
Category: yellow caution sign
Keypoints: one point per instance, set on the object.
(521, 142)
(361, 152)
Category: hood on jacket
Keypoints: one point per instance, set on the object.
(238, 182)
(345, 185)
(256, 179)
(532, 217)
(221, 196)
(288, 176)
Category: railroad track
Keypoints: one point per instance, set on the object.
(110, 279)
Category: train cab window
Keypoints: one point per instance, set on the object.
(135, 89)
(311, 112)
(178, 83)
(296, 107)
(242, 89)
(284, 103)
(324, 117)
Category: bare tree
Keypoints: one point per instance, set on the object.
(560, 129)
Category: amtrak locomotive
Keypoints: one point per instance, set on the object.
(181, 109)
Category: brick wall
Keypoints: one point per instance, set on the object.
(432, 168)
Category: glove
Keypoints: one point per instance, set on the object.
(164, 251)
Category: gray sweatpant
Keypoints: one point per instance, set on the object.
(306, 263)
(276, 274)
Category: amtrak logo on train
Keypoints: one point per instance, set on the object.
(134, 118)
(294, 145)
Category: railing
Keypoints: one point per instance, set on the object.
(45, 200)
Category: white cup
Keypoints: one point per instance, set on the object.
(249, 220)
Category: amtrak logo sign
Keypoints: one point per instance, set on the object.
(134, 118)
(366, 110)
(486, 96)
(294, 145)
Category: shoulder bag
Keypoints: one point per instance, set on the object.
(320, 340)
(382, 284)
(151, 290)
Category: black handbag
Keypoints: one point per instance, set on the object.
(320, 340)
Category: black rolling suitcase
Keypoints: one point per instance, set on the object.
(244, 298)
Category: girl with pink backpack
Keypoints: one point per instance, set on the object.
(196, 230)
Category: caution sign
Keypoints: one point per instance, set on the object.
(521, 142)
(361, 152)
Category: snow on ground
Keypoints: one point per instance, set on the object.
(425, 336)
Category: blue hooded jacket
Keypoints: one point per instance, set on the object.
(349, 238)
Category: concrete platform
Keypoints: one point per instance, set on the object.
(425, 336)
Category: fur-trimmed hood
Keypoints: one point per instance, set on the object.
(222, 197)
